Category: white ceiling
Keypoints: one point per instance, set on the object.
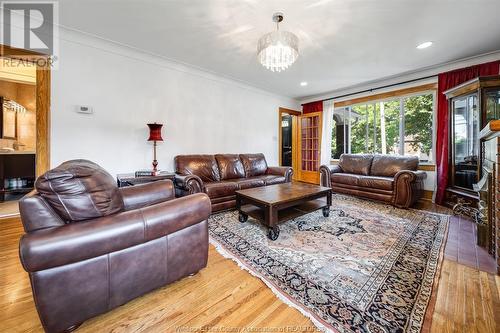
(342, 42)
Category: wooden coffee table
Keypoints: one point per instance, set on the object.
(274, 204)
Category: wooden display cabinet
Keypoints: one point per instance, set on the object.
(471, 106)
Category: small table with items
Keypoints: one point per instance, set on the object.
(130, 179)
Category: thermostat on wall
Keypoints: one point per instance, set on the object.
(84, 109)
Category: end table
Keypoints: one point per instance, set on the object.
(129, 179)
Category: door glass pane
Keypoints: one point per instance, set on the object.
(418, 127)
(310, 143)
(465, 141)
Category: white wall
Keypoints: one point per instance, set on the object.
(201, 112)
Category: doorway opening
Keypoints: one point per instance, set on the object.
(24, 124)
(288, 137)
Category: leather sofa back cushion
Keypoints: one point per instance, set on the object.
(36, 213)
(80, 190)
(230, 166)
(358, 164)
(254, 164)
(390, 165)
(203, 166)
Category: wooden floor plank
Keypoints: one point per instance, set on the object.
(223, 295)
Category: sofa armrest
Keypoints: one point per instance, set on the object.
(148, 194)
(408, 187)
(78, 241)
(284, 171)
(325, 172)
(188, 184)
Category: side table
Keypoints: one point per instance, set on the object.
(129, 179)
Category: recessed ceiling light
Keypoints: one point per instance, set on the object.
(424, 45)
(303, 83)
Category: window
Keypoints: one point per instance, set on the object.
(397, 126)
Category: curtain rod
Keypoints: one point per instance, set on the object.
(377, 88)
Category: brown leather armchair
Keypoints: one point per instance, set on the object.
(221, 175)
(90, 246)
(388, 178)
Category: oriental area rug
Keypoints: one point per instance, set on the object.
(368, 267)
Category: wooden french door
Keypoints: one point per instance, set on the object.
(309, 156)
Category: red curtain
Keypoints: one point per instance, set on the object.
(312, 107)
(447, 81)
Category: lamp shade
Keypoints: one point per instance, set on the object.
(155, 132)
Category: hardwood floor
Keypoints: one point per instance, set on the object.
(224, 298)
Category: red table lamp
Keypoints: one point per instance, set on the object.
(155, 135)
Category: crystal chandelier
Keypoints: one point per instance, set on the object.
(278, 50)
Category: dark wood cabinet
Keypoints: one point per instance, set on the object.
(471, 105)
(16, 165)
(489, 190)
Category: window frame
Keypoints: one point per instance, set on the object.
(401, 98)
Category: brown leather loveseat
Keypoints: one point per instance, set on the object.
(90, 246)
(388, 178)
(221, 175)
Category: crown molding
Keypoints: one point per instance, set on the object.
(433, 70)
(106, 45)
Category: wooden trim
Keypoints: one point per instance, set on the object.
(387, 95)
(427, 195)
(462, 89)
(473, 85)
(42, 102)
(289, 111)
(42, 120)
(490, 129)
(295, 146)
(427, 167)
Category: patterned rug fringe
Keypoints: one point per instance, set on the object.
(283, 298)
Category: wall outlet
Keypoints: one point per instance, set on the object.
(84, 109)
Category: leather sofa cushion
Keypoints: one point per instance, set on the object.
(218, 200)
(221, 189)
(345, 178)
(389, 165)
(254, 164)
(80, 190)
(249, 182)
(203, 166)
(364, 189)
(230, 166)
(36, 214)
(356, 163)
(272, 179)
(363, 192)
(383, 183)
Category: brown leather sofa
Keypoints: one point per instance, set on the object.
(90, 246)
(221, 175)
(388, 178)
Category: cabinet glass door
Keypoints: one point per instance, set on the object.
(465, 141)
(492, 105)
